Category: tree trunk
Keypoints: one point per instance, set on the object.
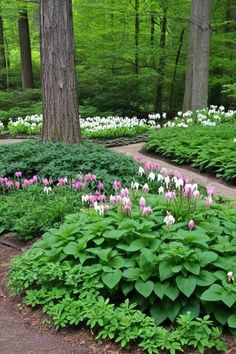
(197, 72)
(136, 37)
(59, 91)
(2, 51)
(175, 69)
(25, 51)
(161, 66)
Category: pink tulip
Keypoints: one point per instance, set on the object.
(191, 224)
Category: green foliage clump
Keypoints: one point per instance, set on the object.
(166, 272)
(29, 212)
(56, 160)
(200, 147)
(76, 297)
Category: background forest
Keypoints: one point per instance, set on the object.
(130, 56)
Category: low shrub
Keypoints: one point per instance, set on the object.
(199, 146)
(55, 160)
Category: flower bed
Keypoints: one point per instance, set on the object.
(157, 251)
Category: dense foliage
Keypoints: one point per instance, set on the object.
(208, 148)
(57, 160)
(118, 70)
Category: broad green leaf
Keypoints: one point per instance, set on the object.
(72, 248)
(207, 257)
(165, 270)
(136, 245)
(127, 287)
(112, 279)
(160, 288)
(172, 308)
(205, 278)
(172, 292)
(192, 267)
(186, 285)
(229, 298)
(158, 313)
(114, 234)
(144, 288)
(221, 315)
(214, 293)
(232, 321)
(132, 273)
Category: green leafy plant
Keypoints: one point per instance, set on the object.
(202, 150)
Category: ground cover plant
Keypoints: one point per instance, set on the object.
(199, 146)
(172, 254)
(59, 160)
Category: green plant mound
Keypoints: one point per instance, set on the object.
(208, 148)
(29, 212)
(166, 272)
(56, 160)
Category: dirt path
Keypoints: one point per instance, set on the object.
(221, 188)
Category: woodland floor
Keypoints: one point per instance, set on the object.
(27, 331)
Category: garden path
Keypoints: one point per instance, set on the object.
(221, 187)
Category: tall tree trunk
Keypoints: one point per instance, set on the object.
(59, 91)
(2, 50)
(161, 66)
(25, 51)
(2, 58)
(175, 68)
(136, 37)
(197, 72)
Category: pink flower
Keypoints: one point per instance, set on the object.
(117, 184)
(124, 192)
(208, 201)
(17, 185)
(142, 202)
(127, 209)
(191, 224)
(112, 199)
(100, 185)
(47, 182)
(148, 166)
(210, 190)
(62, 181)
(26, 183)
(145, 188)
(137, 158)
(171, 195)
(35, 179)
(90, 177)
(9, 184)
(147, 210)
(196, 194)
(101, 198)
(18, 174)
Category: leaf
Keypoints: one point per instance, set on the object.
(136, 245)
(207, 257)
(132, 273)
(112, 279)
(229, 298)
(232, 321)
(160, 288)
(127, 287)
(72, 248)
(172, 292)
(186, 285)
(114, 234)
(221, 315)
(172, 308)
(205, 278)
(144, 288)
(158, 313)
(214, 293)
(192, 267)
(165, 270)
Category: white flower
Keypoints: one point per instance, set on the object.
(179, 183)
(230, 276)
(161, 190)
(167, 181)
(85, 198)
(47, 189)
(151, 176)
(160, 177)
(234, 140)
(169, 219)
(134, 185)
(141, 170)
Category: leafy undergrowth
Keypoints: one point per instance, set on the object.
(209, 148)
(57, 160)
(104, 266)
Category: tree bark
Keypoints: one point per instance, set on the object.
(2, 50)
(161, 66)
(59, 90)
(136, 37)
(25, 51)
(175, 68)
(197, 72)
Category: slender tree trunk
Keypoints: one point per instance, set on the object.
(161, 66)
(25, 51)
(2, 50)
(59, 91)
(175, 68)
(197, 72)
(136, 37)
